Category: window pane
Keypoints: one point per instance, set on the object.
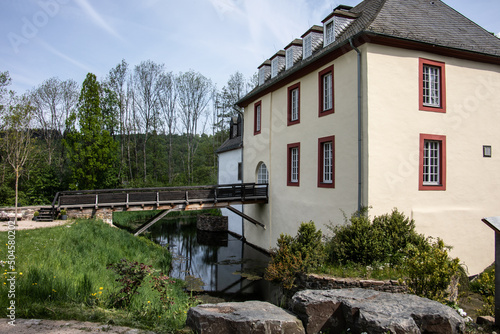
(330, 33)
(431, 166)
(431, 86)
(262, 174)
(307, 46)
(257, 127)
(327, 162)
(294, 153)
(327, 91)
(289, 58)
(295, 104)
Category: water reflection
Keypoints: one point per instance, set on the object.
(213, 262)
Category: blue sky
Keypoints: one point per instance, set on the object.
(40, 39)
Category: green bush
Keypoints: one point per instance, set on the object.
(294, 255)
(363, 242)
(430, 270)
(484, 284)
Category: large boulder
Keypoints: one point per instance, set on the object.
(249, 317)
(362, 310)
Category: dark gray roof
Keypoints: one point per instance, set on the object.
(431, 22)
(230, 144)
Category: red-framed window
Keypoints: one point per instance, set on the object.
(432, 85)
(293, 164)
(432, 162)
(293, 104)
(326, 162)
(326, 101)
(257, 118)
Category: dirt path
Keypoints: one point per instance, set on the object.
(37, 326)
(31, 224)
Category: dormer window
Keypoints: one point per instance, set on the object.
(329, 32)
(307, 46)
(274, 67)
(289, 58)
(264, 72)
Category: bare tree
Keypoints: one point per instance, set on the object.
(16, 141)
(147, 77)
(53, 101)
(117, 82)
(168, 102)
(195, 92)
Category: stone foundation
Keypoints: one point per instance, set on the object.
(24, 213)
(212, 223)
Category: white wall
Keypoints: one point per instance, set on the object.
(228, 174)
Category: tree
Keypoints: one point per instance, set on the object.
(168, 102)
(92, 150)
(147, 83)
(195, 92)
(4, 82)
(17, 138)
(53, 101)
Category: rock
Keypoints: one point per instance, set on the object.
(485, 320)
(362, 310)
(248, 317)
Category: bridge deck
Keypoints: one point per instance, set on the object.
(190, 198)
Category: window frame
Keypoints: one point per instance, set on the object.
(321, 165)
(257, 118)
(290, 104)
(329, 34)
(259, 168)
(290, 181)
(307, 47)
(274, 67)
(321, 91)
(442, 162)
(289, 58)
(442, 85)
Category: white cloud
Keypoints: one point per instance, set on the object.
(97, 18)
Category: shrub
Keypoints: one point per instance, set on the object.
(384, 241)
(430, 270)
(484, 284)
(294, 255)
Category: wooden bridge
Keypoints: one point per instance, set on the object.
(164, 199)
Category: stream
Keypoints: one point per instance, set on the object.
(216, 264)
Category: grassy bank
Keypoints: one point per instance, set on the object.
(62, 274)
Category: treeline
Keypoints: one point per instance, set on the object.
(140, 126)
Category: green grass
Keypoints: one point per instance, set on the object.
(382, 271)
(62, 274)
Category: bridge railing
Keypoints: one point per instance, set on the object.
(242, 192)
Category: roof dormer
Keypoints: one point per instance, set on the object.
(293, 53)
(335, 23)
(277, 63)
(264, 71)
(312, 40)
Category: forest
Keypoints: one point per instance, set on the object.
(140, 126)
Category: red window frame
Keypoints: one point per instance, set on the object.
(442, 162)
(289, 107)
(257, 128)
(321, 142)
(289, 165)
(442, 85)
(321, 90)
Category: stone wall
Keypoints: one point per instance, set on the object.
(325, 282)
(24, 213)
(212, 223)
